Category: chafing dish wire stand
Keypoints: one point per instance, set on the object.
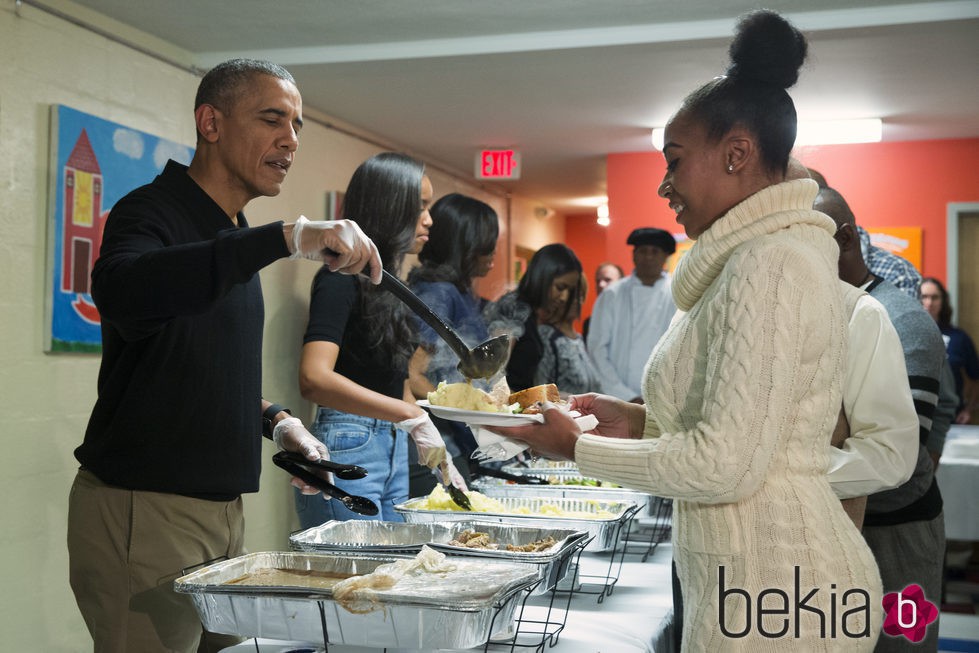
(531, 633)
(613, 540)
(597, 584)
(653, 530)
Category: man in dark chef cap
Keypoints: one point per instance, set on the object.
(175, 437)
(632, 314)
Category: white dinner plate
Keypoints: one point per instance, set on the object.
(481, 418)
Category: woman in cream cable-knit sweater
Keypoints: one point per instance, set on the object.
(743, 391)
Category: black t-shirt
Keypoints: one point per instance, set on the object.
(335, 316)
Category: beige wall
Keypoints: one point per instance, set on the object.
(47, 398)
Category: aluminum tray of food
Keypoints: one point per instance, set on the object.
(600, 519)
(541, 465)
(366, 537)
(371, 538)
(549, 549)
(643, 500)
(290, 596)
(568, 475)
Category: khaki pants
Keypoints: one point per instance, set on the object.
(126, 548)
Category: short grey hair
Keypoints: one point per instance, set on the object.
(222, 85)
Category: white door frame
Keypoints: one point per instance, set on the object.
(952, 246)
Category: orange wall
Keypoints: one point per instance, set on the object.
(907, 184)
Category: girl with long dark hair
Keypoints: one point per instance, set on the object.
(461, 248)
(539, 315)
(358, 341)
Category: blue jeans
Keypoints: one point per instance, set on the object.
(375, 445)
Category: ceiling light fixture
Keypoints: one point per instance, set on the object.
(820, 132)
(603, 216)
(829, 132)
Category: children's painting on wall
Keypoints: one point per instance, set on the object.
(94, 162)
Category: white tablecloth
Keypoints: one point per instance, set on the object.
(630, 620)
(958, 480)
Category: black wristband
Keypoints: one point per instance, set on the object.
(268, 417)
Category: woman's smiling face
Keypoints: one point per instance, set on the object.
(696, 174)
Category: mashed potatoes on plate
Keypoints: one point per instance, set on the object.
(464, 396)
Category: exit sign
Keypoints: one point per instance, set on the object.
(497, 164)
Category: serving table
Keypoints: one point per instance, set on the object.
(958, 480)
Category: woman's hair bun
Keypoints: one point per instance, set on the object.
(767, 48)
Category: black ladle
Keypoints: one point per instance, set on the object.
(480, 362)
(359, 505)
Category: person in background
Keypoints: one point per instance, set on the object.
(743, 391)
(959, 346)
(354, 361)
(896, 269)
(547, 294)
(606, 274)
(174, 439)
(564, 360)
(903, 275)
(904, 526)
(876, 443)
(630, 316)
(461, 248)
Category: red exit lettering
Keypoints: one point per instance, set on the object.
(498, 164)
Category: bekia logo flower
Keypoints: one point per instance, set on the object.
(908, 613)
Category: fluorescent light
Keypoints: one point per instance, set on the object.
(826, 132)
(820, 132)
(658, 133)
(603, 217)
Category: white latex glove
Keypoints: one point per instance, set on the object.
(427, 439)
(448, 471)
(289, 434)
(341, 244)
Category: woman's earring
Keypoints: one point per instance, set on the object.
(730, 168)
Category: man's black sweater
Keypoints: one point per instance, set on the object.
(179, 389)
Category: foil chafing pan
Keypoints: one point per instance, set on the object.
(643, 500)
(565, 474)
(361, 537)
(364, 537)
(604, 530)
(542, 465)
(454, 609)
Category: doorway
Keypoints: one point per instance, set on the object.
(963, 268)
(963, 265)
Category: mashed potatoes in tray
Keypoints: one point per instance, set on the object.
(439, 499)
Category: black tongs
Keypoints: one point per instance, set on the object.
(299, 466)
(458, 497)
(520, 479)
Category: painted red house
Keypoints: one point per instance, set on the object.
(82, 223)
